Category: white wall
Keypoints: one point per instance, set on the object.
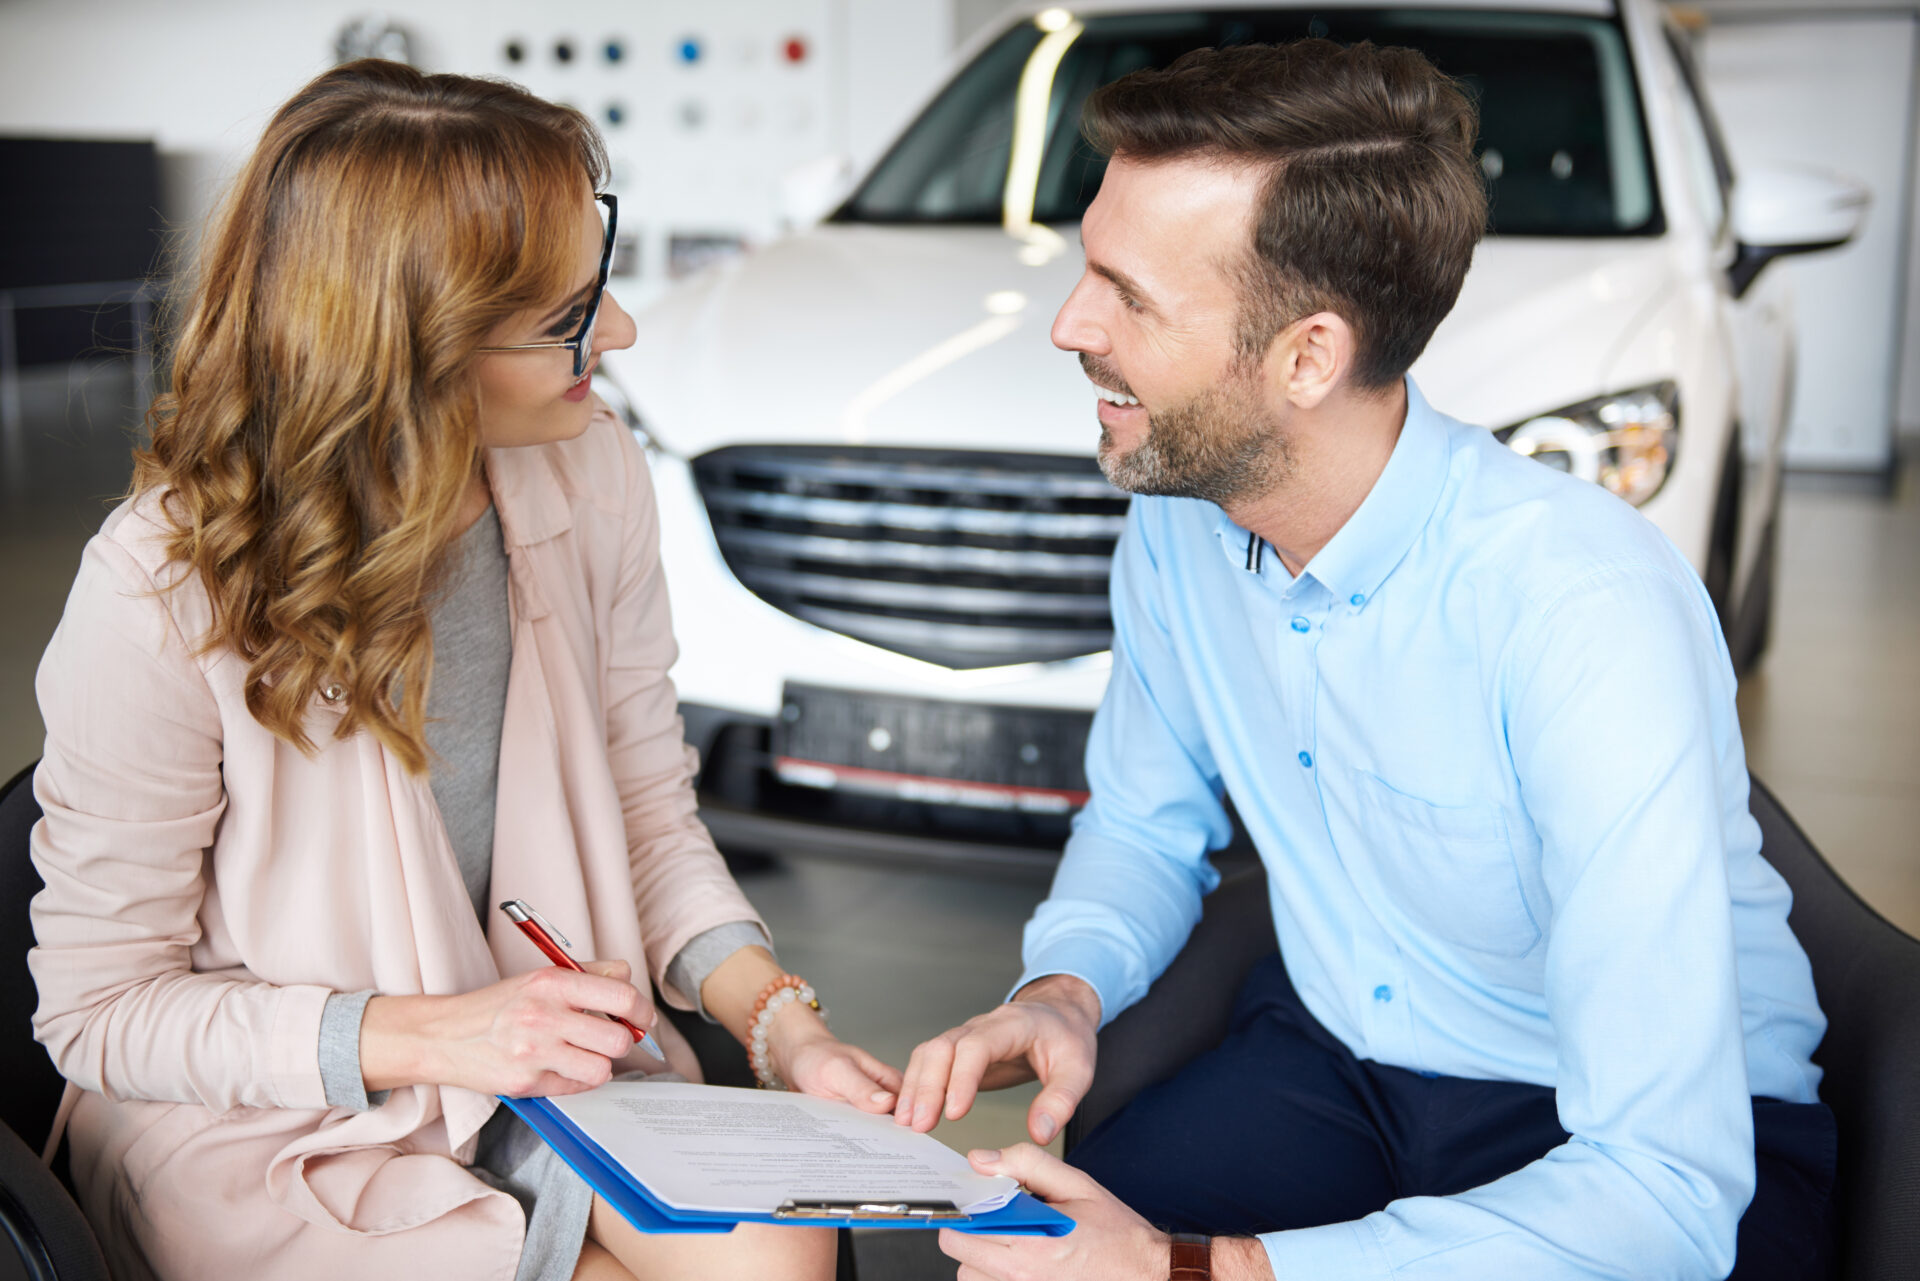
(1833, 92)
(201, 78)
(1890, 204)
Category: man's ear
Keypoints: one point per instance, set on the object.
(1310, 358)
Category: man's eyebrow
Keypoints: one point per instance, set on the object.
(1120, 278)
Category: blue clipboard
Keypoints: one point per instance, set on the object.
(1022, 1216)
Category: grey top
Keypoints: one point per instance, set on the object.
(467, 701)
(466, 704)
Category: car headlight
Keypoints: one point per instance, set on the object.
(1626, 441)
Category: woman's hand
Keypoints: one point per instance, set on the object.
(813, 1060)
(805, 1054)
(538, 1033)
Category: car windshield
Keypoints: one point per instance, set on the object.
(1561, 137)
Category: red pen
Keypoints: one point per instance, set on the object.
(535, 927)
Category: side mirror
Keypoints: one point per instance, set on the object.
(813, 190)
(1779, 211)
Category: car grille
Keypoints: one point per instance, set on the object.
(959, 557)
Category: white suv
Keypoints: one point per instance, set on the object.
(886, 537)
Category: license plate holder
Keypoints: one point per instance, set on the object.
(932, 750)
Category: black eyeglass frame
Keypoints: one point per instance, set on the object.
(581, 344)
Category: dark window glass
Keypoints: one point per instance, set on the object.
(1561, 136)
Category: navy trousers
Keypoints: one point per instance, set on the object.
(1316, 1136)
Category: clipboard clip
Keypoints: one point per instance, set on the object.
(871, 1211)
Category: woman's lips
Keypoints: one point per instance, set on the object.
(582, 389)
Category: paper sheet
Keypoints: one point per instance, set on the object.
(711, 1147)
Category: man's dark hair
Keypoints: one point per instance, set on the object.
(1374, 200)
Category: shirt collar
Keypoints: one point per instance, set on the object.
(527, 493)
(533, 507)
(1364, 551)
(1377, 537)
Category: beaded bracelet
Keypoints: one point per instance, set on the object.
(773, 997)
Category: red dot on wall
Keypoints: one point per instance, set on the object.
(795, 50)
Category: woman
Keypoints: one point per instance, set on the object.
(379, 641)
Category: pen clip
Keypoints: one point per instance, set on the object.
(518, 909)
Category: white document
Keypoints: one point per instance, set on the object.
(713, 1147)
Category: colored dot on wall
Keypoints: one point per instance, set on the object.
(689, 50)
(795, 49)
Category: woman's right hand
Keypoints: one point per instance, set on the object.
(536, 1033)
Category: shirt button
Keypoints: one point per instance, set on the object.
(1306, 760)
(1299, 624)
(1383, 993)
(1357, 599)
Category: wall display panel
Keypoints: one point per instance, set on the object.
(707, 106)
(705, 109)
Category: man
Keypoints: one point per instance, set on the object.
(1539, 1008)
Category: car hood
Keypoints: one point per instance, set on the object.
(939, 337)
(1544, 323)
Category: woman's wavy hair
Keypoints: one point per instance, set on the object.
(322, 426)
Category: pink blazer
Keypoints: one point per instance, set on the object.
(208, 885)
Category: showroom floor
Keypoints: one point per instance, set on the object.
(1832, 718)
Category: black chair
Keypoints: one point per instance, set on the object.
(1186, 1011)
(49, 1236)
(1866, 971)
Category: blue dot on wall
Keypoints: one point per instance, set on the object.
(690, 50)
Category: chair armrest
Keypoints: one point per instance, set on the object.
(39, 1223)
(1866, 972)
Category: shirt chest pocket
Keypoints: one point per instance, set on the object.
(1449, 869)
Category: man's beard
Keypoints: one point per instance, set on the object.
(1220, 446)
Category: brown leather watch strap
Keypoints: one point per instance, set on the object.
(1192, 1257)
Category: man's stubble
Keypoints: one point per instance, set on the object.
(1221, 446)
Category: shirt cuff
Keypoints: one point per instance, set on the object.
(1085, 960)
(705, 952)
(1334, 1252)
(340, 1053)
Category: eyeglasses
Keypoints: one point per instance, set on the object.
(581, 344)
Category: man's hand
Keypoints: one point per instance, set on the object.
(1109, 1242)
(1047, 1031)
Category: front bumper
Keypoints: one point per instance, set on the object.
(750, 811)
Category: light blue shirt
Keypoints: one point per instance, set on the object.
(1486, 746)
